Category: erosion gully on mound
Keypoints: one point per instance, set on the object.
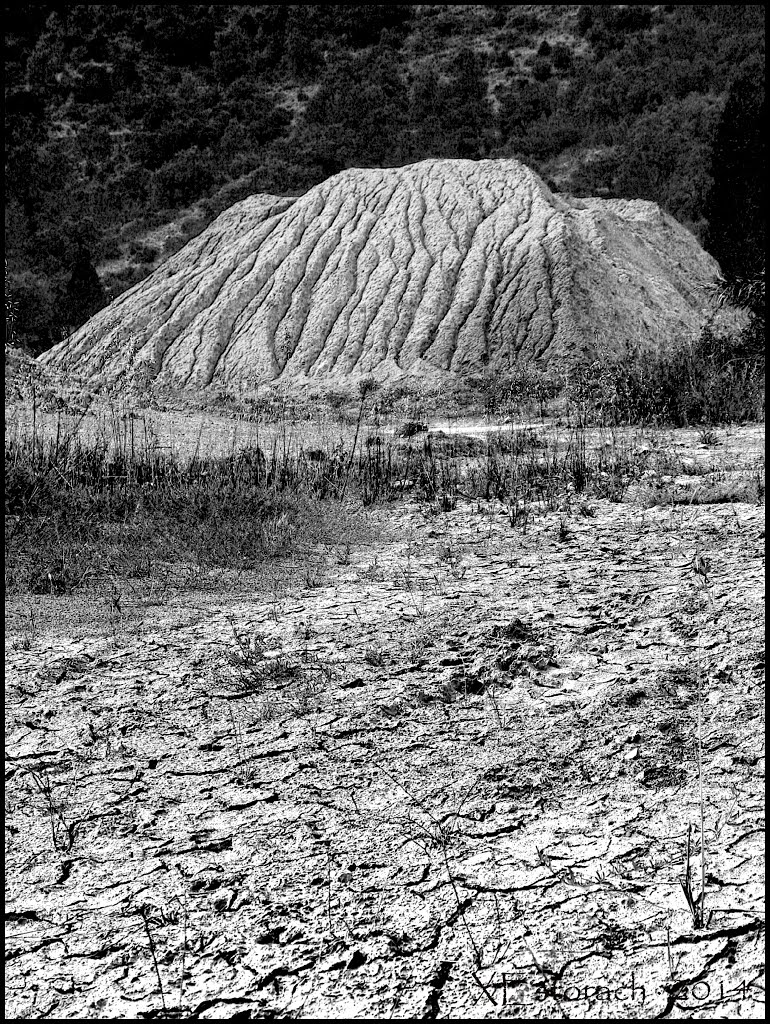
(463, 789)
(443, 265)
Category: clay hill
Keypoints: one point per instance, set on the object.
(441, 265)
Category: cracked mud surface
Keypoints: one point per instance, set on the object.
(454, 778)
(441, 265)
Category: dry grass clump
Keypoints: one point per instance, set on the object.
(78, 509)
(79, 506)
(714, 379)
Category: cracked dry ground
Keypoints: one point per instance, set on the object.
(463, 789)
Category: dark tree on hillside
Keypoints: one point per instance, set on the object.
(232, 54)
(85, 294)
(364, 24)
(665, 157)
(467, 108)
(11, 311)
(450, 114)
(522, 104)
(737, 205)
(425, 113)
(303, 51)
(356, 116)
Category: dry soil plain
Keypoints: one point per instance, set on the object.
(450, 773)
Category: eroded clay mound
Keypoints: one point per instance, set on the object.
(442, 265)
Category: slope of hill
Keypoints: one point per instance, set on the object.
(130, 127)
(441, 265)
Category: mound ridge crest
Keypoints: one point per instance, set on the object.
(444, 265)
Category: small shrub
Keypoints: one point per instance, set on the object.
(713, 380)
(80, 510)
(410, 429)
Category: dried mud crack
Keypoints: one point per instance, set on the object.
(428, 788)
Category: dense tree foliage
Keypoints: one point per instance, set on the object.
(736, 208)
(123, 118)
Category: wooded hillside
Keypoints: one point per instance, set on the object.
(128, 128)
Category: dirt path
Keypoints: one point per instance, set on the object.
(462, 788)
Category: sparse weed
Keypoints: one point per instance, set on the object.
(374, 656)
(695, 902)
(83, 504)
(314, 575)
(272, 681)
(564, 532)
(436, 831)
(708, 437)
(344, 554)
(29, 632)
(81, 510)
(57, 804)
(156, 920)
(452, 559)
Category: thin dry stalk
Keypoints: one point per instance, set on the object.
(142, 911)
